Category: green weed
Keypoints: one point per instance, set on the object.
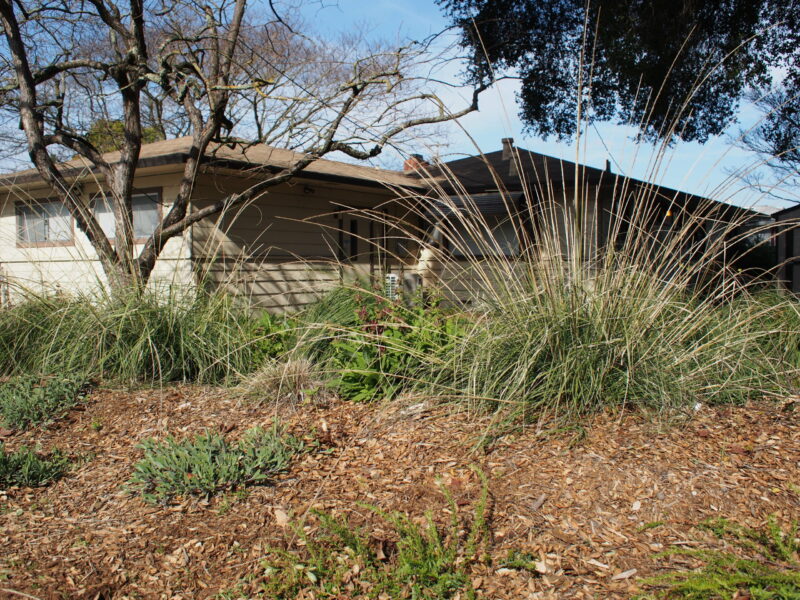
(421, 561)
(766, 566)
(520, 561)
(650, 525)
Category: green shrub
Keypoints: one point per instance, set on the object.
(390, 349)
(27, 401)
(770, 569)
(421, 561)
(149, 336)
(25, 468)
(276, 335)
(207, 463)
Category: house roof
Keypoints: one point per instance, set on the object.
(253, 158)
(483, 173)
(480, 176)
(493, 203)
(490, 172)
(785, 211)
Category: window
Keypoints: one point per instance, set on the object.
(348, 238)
(146, 214)
(47, 222)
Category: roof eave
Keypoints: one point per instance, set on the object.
(177, 158)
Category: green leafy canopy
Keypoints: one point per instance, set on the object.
(642, 60)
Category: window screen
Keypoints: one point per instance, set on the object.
(146, 215)
(44, 222)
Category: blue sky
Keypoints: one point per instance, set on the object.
(701, 169)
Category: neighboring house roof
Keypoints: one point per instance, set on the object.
(785, 212)
(252, 158)
(532, 171)
(483, 173)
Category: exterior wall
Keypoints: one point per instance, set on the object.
(468, 280)
(788, 248)
(281, 251)
(291, 245)
(74, 267)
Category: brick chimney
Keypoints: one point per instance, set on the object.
(508, 148)
(510, 156)
(415, 162)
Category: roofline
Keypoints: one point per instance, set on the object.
(176, 158)
(240, 165)
(595, 175)
(785, 210)
(151, 161)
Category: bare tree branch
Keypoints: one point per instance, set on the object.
(131, 70)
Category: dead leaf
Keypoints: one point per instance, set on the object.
(539, 502)
(541, 567)
(281, 518)
(597, 563)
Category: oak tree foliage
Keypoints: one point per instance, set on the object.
(676, 69)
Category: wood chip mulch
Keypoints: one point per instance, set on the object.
(594, 510)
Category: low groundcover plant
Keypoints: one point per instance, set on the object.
(24, 467)
(208, 463)
(28, 400)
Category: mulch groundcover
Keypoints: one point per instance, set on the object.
(593, 505)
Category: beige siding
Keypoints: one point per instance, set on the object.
(282, 251)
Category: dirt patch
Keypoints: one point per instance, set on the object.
(593, 509)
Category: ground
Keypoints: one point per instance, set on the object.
(594, 504)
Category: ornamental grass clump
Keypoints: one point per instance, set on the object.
(139, 336)
(615, 337)
(571, 312)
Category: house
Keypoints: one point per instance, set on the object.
(302, 237)
(529, 182)
(280, 251)
(520, 193)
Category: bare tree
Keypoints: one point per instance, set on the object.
(212, 71)
(775, 142)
